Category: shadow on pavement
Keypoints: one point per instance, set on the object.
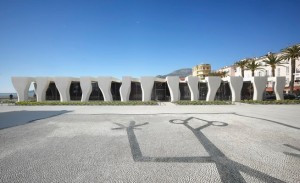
(16, 118)
(228, 169)
(230, 113)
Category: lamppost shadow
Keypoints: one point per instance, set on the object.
(228, 169)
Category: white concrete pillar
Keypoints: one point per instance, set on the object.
(192, 82)
(63, 86)
(125, 88)
(104, 83)
(42, 84)
(147, 86)
(86, 88)
(21, 85)
(259, 86)
(213, 83)
(279, 87)
(235, 84)
(173, 84)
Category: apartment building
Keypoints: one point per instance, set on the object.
(201, 70)
(284, 69)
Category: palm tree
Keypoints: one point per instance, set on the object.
(251, 65)
(213, 73)
(242, 64)
(292, 53)
(273, 61)
(221, 74)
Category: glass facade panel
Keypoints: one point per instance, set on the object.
(136, 91)
(224, 92)
(75, 91)
(52, 92)
(115, 90)
(160, 91)
(185, 93)
(247, 91)
(202, 91)
(96, 92)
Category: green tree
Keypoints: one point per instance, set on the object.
(273, 61)
(251, 65)
(221, 74)
(213, 74)
(242, 64)
(292, 53)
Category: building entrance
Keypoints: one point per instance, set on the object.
(160, 92)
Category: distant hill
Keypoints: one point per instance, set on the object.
(181, 73)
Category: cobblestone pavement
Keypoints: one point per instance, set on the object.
(238, 143)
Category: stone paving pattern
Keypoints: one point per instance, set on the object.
(238, 143)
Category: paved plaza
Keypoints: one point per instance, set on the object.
(237, 143)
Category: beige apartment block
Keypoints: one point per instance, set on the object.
(201, 70)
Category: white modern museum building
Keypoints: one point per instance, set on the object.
(172, 88)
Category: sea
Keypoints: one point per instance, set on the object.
(6, 95)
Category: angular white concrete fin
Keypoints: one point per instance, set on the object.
(125, 88)
(235, 84)
(259, 86)
(173, 84)
(104, 83)
(213, 83)
(21, 85)
(192, 82)
(147, 86)
(42, 84)
(86, 88)
(279, 87)
(63, 86)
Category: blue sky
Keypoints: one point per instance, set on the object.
(137, 38)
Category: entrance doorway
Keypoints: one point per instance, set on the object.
(185, 93)
(52, 92)
(160, 91)
(96, 93)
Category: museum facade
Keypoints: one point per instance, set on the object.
(172, 88)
